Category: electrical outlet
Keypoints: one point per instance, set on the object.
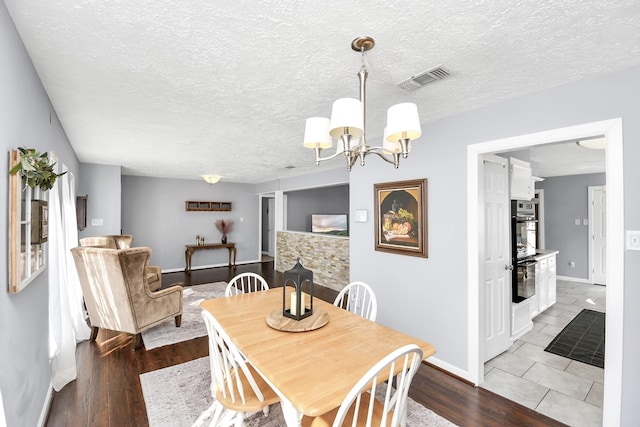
(572, 264)
(633, 240)
(96, 221)
(576, 221)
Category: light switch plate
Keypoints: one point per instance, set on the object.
(633, 240)
(360, 215)
(576, 221)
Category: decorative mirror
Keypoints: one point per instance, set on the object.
(28, 229)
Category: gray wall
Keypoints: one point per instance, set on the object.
(431, 294)
(153, 212)
(327, 174)
(303, 203)
(565, 199)
(101, 183)
(28, 120)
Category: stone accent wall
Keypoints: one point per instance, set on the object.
(326, 256)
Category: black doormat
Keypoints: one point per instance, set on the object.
(582, 339)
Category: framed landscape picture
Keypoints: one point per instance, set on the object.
(401, 217)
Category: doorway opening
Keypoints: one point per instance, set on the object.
(612, 131)
(267, 227)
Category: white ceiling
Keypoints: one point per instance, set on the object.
(561, 159)
(567, 159)
(180, 89)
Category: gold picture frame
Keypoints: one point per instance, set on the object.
(401, 217)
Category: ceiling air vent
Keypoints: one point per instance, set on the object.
(431, 75)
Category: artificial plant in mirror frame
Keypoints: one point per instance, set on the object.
(35, 168)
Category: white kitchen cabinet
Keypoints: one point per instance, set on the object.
(542, 284)
(551, 279)
(545, 295)
(521, 179)
(520, 318)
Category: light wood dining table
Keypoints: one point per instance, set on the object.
(311, 371)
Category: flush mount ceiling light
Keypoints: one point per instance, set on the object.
(596, 143)
(347, 124)
(211, 179)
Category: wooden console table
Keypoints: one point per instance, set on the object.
(192, 248)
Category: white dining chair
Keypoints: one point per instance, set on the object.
(380, 396)
(237, 389)
(358, 298)
(244, 283)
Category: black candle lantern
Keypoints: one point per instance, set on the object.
(296, 277)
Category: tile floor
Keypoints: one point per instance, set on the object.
(561, 388)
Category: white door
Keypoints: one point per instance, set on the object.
(272, 228)
(497, 256)
(597, 235)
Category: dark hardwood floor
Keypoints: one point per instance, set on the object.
(107, 391)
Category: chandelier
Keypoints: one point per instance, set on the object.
(347, 125)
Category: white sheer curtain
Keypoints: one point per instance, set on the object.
(66, 315)
(3, 420)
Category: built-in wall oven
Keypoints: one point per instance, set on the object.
(526, 280)
(523, 249)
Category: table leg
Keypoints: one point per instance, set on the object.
(234, 256)
(187, 261)
(292, 417)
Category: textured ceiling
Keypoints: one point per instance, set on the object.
(180, 89)
(561, 159)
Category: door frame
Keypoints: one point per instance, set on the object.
(539, 194)
(261, 198)
(591, 217)
(271, 235)
(612, 131)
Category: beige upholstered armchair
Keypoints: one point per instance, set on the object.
(116, 294)
(124, 241)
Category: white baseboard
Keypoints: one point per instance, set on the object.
(202, 267)
(449, 368)
(46, 407)
(574, 279)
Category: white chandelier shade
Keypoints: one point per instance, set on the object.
(403, 122)
(347, 118)
(316, 133)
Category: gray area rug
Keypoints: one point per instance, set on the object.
(175, 397)
(192, 325)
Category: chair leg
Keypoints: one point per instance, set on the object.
(94, 333)
(206, 414)
(225, 418)
(137, 341)
(178, 320)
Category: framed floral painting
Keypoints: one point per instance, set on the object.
(401, 217)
